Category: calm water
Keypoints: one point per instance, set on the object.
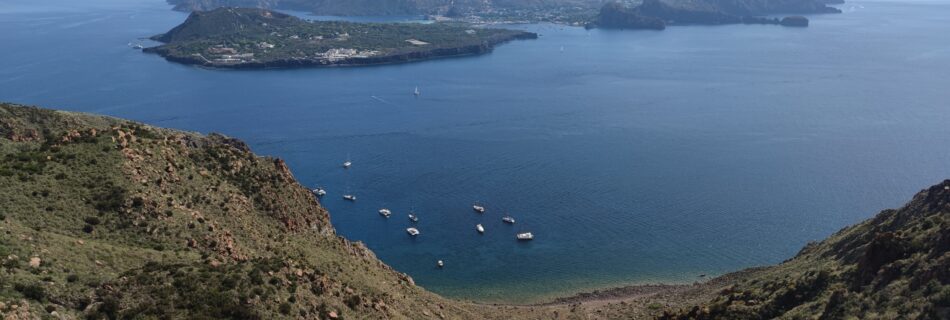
(634, 156)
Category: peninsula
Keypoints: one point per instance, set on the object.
(658, 14)
(245, 38)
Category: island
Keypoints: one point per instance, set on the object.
(658, 14)
(247, 38)
(574, 12)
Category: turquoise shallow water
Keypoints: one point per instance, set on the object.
(634, 156)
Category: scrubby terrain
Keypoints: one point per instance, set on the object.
(894, 266)
(108, 219)
(104, 218)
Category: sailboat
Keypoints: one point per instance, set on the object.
(319, 192)
(347, 163)
(416, 92)
(478, 208)
(347, 195)
(412, 213)
(480, 228)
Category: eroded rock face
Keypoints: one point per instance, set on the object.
(795, 21)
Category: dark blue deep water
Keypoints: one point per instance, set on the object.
(634, 156)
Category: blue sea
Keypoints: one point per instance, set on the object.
(633, 156)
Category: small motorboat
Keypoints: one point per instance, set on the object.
(138, 47)
(508, 219)
(525, 236)
(319, 192)
(347, 164)
(412, 231)
(413, 218)
(440, 264)
(349, 197)
(416, 92)
(480, 228)
(385, 212)
(478, 208)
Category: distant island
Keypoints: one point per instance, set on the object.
(246, 38)
(658, 14)
(575, 12)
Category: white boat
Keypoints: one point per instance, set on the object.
(319, 192)
(508, 219)
(349, 197)
(412, 231)
(138, 46)
(525, 236)
(478, 208)
(385, 212)
(413, 218)
(416, 92)
(347, 164)
(480, 228)
(440, 264)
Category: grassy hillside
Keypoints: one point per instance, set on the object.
(108, 218)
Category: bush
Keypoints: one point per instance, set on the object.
(284, 308)
(72, 278)
(88, 228)
(32, 291)
(92, 220)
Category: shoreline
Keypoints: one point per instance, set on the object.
(392, 59)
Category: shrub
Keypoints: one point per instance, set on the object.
(285, 308)
(72, 278)
(32, 291)
(88, 228)
(92, 220)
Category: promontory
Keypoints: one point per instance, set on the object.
(245, 38)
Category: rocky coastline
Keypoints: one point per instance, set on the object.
(392, 58)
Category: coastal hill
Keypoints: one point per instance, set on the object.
(108, 218)
(393, 7)
(259, 38)
(657, 14)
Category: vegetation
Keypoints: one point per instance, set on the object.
(657, 14)
(248, 38)
(530, 10)
(896, 265)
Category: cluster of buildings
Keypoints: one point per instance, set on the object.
(228, 55)
(338, 54)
